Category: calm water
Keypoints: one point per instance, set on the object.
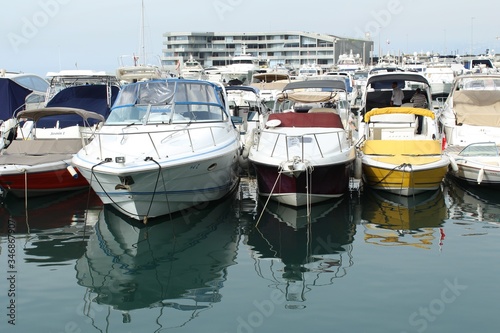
(367, 264)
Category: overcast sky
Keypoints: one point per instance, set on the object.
(38, 36)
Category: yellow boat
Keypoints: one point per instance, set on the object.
(399, 155)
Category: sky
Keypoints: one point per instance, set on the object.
(38, 36)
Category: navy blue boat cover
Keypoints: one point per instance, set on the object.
(12, 97)
(86, 97)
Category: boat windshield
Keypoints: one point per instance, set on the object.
(166, 102)
(479, 83)
(480, 149)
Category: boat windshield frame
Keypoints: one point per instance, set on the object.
(168, 101)
(480, 149)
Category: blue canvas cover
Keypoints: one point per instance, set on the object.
(87, 97)
(12, 97)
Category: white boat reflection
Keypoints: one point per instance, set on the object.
(178, 263)
(298, 253)
(393, 220)
(472, 203)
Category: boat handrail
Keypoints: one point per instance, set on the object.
(304, 138)
(169, 133)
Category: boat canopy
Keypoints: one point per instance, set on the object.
(37, 114)
(324, 85)
(384, 80)
(477, 107)
(12, 97)
(269, 77)
(243, 88)
(314, 91)
(97, 98)
(307, 96)
(395, 110)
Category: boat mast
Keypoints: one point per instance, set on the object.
(142, 46)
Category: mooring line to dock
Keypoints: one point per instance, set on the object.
(269, 197)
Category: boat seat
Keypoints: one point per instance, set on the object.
(393, 126)
(393, 120)
(44, 147)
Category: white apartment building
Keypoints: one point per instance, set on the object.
(290, 48)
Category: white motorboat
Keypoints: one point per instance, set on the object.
(470, 119)
(192, 69)
(441, 74)
(270, 84)
(167, 145)
(349, 62)
(241, 67)
(304, 154)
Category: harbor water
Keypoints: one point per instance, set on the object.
(367, 263)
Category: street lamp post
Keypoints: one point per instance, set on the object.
(471, 35)
(334, 50)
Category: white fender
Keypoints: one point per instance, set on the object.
(243, 158)
(480, 176)
(453, 164)
(72, 171)
(248, 144)
(358, 167)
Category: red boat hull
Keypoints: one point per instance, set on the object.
(324, 182)
(42, 183)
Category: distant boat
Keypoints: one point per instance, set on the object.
(20, 91)
(192, 69)
(140, 68)
(81, 77)
(241, 67)
(349, 62)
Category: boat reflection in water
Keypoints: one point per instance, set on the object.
(472, 203)
(305, 251)
(177, 263)
(53, 226)
(393, 220)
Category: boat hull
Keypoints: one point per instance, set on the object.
(319, 184)
(406, 180)
(155, 190)
(481, 171)
(38, 180)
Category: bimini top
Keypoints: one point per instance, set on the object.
(324, 85)
(397, 77)
(314, 91)
(394, 110)
(37, 114)
(243, 88)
